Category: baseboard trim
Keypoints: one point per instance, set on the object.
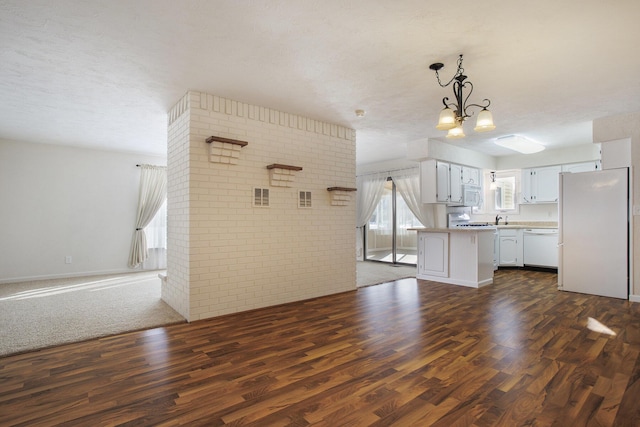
(65, 275)
(634, 298)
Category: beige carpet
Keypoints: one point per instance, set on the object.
(373, 273)
(45, 313)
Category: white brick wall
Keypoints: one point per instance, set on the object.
(236, 257)
(175, 290)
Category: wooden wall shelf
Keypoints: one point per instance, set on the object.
(282, 175)
(226, 140)
(225, 150)
(284, 167)
(341, 189)
(340, 196)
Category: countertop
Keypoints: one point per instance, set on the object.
(454, 230)
(530, 224)
(513, 225)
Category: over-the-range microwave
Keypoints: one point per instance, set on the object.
(471, 195)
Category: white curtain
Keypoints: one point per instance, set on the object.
(156, 233)
(407, 183)
(370, 188)
(153, 192)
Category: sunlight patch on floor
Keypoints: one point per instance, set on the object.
(594, 325)
(61, 289)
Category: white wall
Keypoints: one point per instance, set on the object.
(433, 149)
(230, 256)
(385, 166)
(59, 201)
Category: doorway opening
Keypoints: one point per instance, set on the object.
(388, 238)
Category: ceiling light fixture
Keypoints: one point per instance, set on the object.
(454, 114)
(519, 144)
(493, 184)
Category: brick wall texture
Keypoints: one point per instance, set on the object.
(226, 255)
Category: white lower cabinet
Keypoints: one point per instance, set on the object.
(457, 257)
(511, 248)
(433, 254)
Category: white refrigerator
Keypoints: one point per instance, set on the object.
(593, 233)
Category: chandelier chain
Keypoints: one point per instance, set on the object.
(458, 73)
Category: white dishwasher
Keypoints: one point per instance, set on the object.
(540, 247)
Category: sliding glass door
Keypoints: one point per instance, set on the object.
(388, 238)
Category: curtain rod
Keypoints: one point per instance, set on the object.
(153, 166)
(389, 171)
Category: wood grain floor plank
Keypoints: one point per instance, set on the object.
(411, 352)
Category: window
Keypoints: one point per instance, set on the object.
(501, 193)
(505, 193)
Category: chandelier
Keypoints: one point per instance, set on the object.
(455, 113)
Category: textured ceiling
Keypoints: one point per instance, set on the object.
(103, 74)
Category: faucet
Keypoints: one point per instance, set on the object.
(498, 218)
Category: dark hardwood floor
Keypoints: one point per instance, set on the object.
(406, 353)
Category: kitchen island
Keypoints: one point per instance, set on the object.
(459, 256)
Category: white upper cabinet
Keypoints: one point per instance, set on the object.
(441, 182)
(470, 175)
(455, 184)
(581, 167)
(540, 185)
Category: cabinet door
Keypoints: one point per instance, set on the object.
(580, 167)
(540, 185)
(508, 251)
(442, 182)
(470, 175)
(496, 251)
(525, 186)
(546, 184)
(455, 184)
(433, 254)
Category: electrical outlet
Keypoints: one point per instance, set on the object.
(67, 259)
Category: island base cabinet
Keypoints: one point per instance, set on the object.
(433, 254)
(475, 247)
(456, 257)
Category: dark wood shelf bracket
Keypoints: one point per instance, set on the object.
(282, 175)
(340, 196)
(341, 189)
(225, 150)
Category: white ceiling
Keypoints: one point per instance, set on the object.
(103, 74)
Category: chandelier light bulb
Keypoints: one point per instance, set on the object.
(485, 121)
(456, 132)
(447, 119)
